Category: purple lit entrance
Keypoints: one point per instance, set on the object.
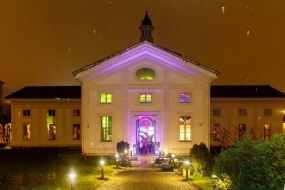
(145, 135)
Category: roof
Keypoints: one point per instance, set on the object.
(136, 45)
(245, 91)
(217, 91)
(46, 92)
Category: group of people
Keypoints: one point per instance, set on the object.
(146, 148)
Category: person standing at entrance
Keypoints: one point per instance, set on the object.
(141, 147)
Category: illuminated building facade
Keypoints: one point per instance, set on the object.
(145, 95)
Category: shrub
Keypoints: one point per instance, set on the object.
(253, 164)
(201, 160)
(122, 146)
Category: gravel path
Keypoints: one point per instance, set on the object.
(144, 178)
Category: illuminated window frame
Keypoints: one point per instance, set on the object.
(76, 131)
(106, 128)
(241, 131)
(51, 131)
(185, 128)
(76, 113)
(106, 98)
(27, 132)
(216, 135)
(185, 98)
(267, 131)
(145, 98)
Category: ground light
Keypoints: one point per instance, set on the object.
(172, 158)
(187, 163)
(117, 160)
(72, 180)
(102, 163)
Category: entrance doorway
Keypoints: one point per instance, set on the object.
(145, 133)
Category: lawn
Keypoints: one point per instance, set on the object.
(50, 169)
(204, 183)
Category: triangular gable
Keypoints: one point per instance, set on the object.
(139, 51)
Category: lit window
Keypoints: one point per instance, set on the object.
(267, 131)
(216, 112)
(106, 98)
(76, 131)
(145, 98)
(26, 113)
(267, 111)
(216, 132)
(242, 112)
(76, 113)
(51, 112)
(145, 73)
(27, 131)
(52, 132)
(185, 98)
(106, 128)
(241, 131)
(185, 128)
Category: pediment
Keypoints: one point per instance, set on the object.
(114, 79)
(139, 53)
(177, 79)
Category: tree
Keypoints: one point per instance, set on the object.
(252, 164)
(201, 160)
(5, 117)
(227, 139)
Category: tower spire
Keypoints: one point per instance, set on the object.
(146, 29)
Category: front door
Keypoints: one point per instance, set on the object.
(145, 135)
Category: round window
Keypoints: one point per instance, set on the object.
(145, 73)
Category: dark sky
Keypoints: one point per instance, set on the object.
(43, 41)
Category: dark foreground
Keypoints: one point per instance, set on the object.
(49, 168)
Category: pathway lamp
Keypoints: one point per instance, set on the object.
(102, 163)
(72, 180)
(187, 163)
(172, 158)
(117, 160)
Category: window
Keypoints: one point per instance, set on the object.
(76, 131)
(27, 131)
(52, 132)
(185, 128)
(106, 128)
(242, 112)
(106, 98)
(267, 111)
(267, 131)
(241, 131)
(26, 113)
(145, 98)
(216, 112)
(216, 132)
(76, 113)
(185, 98)
(145, 74)
(51, 112)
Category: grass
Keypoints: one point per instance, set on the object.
(204, 183)
(50, 168)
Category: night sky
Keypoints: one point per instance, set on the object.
(43, 41)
